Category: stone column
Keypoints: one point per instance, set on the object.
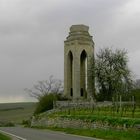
(76, 75)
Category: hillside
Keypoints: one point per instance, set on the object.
(16, 112)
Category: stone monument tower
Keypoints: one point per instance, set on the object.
(79, 63)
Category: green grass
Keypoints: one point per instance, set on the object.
(104, 111)
(113, 121)
(3, 137)
(99, 112)
(99, 133)
(16, 112)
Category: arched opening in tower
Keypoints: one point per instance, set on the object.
(83, 74)
(70, 73)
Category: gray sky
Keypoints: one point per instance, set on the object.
(32, 33)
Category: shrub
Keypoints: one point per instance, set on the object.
(45, 103)
(6, 124)
(136, 93)
(26, 123)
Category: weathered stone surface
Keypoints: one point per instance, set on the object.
(79, 63)
(77, 123)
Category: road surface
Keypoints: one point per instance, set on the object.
(36, 134)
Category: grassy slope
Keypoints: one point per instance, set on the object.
(16, 112)
(3, 137)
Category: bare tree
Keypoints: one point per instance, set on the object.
(45, 87)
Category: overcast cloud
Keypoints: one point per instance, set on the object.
(32, 33)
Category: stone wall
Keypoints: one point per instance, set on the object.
(80, 104)
(73, 123)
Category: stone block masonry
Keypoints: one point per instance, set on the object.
(79, 63)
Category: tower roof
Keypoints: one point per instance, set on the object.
(80, 27)
(79, 32)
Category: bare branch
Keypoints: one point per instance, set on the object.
(42, 88)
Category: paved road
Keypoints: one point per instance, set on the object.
(35, 134)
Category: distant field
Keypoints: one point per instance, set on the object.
(16, 112)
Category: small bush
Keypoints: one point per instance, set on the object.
(6, 124)
(45, 103)
(136, 94)
(26, 123)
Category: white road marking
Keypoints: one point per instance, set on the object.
(20, 138)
